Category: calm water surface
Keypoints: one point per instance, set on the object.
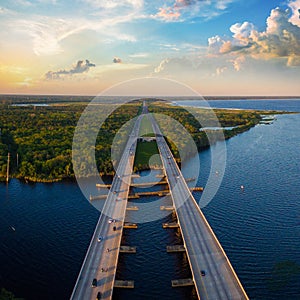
(259, 227)
(271, 104)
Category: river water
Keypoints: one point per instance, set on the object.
(46, 228)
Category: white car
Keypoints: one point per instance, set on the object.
(100, 238)
(110, 221)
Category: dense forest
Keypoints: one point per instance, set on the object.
(39, 138)
(237, 120)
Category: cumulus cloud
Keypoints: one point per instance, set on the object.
(80, 67)
(281, 39)
(117, 60)
(172, 65)
(295, 8)
(242, 31)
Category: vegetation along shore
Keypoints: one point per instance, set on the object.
(39, 138)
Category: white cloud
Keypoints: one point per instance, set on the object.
(139, 55)
(171, 66)
(117, 60)
(295, 6)
(168, 14)
(220, 70)
(242, 31)
(238, 62)
(161, 65)
(180, 10)
(110, 4)
(47, 33)
(83, 70)
(78, 68)
(223, 4)
(281, 39)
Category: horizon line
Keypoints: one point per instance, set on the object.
(152, 96)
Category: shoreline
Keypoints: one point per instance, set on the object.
(239, 125)
(228, 134)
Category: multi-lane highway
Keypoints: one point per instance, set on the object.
(100, 262)
(213, 275)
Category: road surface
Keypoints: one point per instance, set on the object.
(102, 256)
(203, 249)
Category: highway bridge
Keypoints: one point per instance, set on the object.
(213, 275)
(205, 254)
(102, 256)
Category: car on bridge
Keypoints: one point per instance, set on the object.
(94, 282)
(100, 238)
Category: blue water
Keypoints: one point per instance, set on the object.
(259, 227)
(53, 224)
(290, 105)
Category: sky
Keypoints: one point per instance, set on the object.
(216, 47)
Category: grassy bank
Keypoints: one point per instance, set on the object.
(146, 127)
(147, 156)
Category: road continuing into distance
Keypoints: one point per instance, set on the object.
(104, 254)
(202, 246)
(203, 249)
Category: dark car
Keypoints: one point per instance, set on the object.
(94, 282)
(114, 228)
(202, 273)
(99, 296)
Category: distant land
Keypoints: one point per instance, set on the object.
(39, 138)
(15, 98)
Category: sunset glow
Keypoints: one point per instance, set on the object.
(227, 47)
